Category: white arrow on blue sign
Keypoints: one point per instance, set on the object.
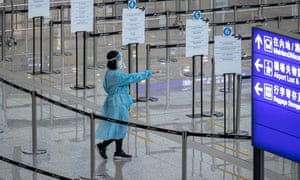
(258, 66)
(258, 41)
(258, 89)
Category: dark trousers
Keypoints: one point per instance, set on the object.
(119, 143)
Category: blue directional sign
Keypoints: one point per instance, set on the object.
(276, 92)
(196, 15)
(227, 31)
(131, 4)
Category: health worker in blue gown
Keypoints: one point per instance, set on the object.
(117, 104)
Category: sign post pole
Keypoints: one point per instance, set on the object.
(258, 164)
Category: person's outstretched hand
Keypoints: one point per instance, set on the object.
(148, 73)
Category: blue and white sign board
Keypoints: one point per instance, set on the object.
(82, 15)
(227, 54)
(227, 31)
(196, 38)
(1, 1)
(38, 8)
(131, 4)
(133, 26)
(276, 92)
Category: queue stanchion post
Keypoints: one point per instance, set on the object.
(129, 62)
(193, 115)
(213, 112)
(84, 86)
(148, 67)
(34, 151)
(51, 47)
(62, 33)
(237, 80)
(34, 46)
(184, 155)
(201, 88)
(3, 33)
(92, 145)
(229, 88)
(225, 109)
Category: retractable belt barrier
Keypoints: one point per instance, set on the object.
(92, 115)
(146, 127)
(34, 169)
(228, 8)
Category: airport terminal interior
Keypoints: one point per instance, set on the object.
(53, 77)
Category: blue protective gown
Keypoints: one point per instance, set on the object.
(117, 103)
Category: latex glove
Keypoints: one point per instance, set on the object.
(148, 73)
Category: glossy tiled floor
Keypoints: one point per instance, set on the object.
(65, 135)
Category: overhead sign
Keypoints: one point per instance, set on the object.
(82, 15)
(196, 38)
(227, 54)
(133, 26)
(38, 8)
(276, 92)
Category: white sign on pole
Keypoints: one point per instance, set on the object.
(38, 8)
(221, 3)
(227, 54)
(82, 15)
(133, 26)
(196, 38)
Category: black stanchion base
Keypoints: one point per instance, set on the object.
(1, 131)
(240, 132)
(8, 59)
(195, 115)
(65, 53)
(78, 139)
(38, 152)
(96, 178)
(83, 87)
(143, 99)
(218, 114)
(223, 90)
(68, 54)
(56, 71)
(38, 73)
(92, 67)
(56, 53)
(206, 114)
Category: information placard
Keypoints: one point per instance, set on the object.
(133, 26)
(38, 8)
(82, 15)
(196, 38)
(276, 92)
(227, 55)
